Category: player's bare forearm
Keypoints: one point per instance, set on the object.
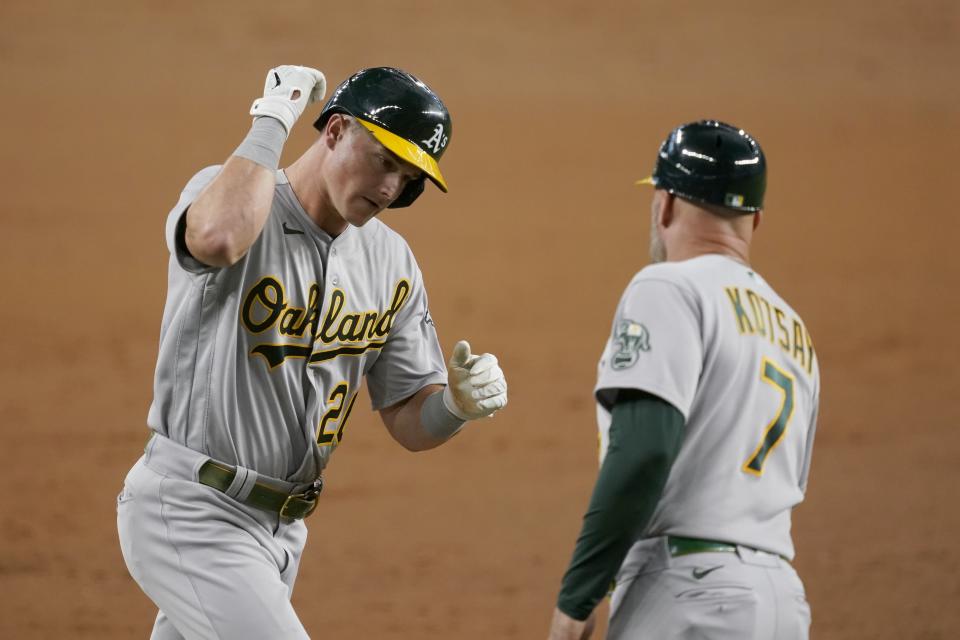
(404, 424)
(563, 627)
(229, 214)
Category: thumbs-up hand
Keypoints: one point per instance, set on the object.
(476, 387)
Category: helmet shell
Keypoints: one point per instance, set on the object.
(714, 163)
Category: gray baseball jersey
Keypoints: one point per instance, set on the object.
(711, 337)
(260, 363)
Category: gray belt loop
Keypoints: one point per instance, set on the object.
(244, 491)
(151, 443)
(663, 555)
(759, 558)
(237, 485)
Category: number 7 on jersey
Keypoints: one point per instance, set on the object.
(783, 381)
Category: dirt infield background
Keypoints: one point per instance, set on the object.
(107, 110)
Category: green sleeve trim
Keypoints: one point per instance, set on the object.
(645, 437)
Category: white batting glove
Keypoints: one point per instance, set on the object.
(476, 387)
(287, 92)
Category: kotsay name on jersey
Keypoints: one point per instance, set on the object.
(756, 316)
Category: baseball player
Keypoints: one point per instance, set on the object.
(285, 292)
(707, 395)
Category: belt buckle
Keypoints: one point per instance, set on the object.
(310, 495)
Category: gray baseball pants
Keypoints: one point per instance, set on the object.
(741, 595)
(215, 567)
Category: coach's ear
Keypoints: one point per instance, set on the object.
(664, 204)
(756, 219)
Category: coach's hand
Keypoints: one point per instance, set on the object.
(287, 92)
(563, 627)
(476, 386)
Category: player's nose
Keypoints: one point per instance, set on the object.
(392, 185)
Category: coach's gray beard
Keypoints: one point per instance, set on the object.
(658, 253)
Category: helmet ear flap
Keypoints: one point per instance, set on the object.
(410, 193)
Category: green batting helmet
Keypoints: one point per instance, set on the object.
(403, 114)
(714, 163)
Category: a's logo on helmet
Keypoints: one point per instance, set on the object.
(437, 141)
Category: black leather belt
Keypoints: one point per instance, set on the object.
(262, 496)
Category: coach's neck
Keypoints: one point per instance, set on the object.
(687, 229)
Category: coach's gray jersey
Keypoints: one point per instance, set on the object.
(712, 338)
(260, 363)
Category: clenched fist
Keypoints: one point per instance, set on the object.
(476, 385)
(287, 92)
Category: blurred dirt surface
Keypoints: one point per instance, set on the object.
(108, 109)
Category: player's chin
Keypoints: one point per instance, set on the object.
(364, 210)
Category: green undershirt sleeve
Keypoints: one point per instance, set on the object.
(645, 437)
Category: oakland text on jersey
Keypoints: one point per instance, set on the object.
(265, 306)
(373, 325)
(756, 316)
